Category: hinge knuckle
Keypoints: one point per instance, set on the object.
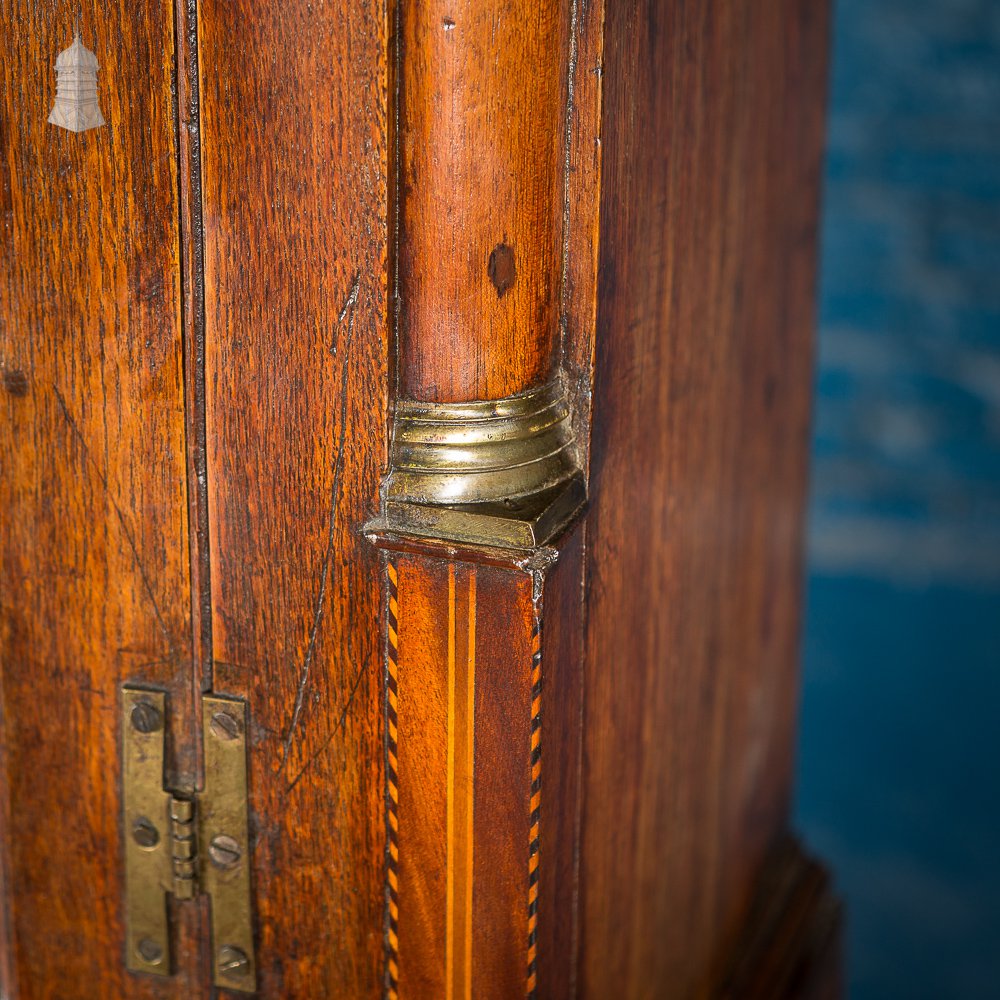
(184, 847)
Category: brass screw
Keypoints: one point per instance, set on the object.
(224, 726)
(144, 833)
(232, 961)
(149, 951)
(224, 851)
(146, 718)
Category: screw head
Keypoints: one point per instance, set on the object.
(144, 833)
(146, 718)
(232, 962)
(224, 851)
(224, 726)
(149, 951)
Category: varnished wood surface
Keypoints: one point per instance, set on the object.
(790, 945)
(711, 149)
(581, 211)
(481, 153)
(294, 175)
(562, 762)
(679, 247)
(94, 579)
(464, 783)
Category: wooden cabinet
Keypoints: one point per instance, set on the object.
(408, 402)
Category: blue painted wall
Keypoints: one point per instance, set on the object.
(900, 728)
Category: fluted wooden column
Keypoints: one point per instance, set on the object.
(484, 481)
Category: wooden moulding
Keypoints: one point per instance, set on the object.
(790, 943)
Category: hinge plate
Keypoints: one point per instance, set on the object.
(224, 831)
(182, 845)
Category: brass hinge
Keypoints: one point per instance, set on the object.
(187, 844)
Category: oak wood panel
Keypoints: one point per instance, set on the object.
(94, 588)
(294, 169)
(482, 147)
(712, 136)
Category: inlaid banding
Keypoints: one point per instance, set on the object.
(392, 783)
(534, 841)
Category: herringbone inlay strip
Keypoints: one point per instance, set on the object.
(392, 787)
(536, 802)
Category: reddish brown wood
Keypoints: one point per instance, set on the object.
(482, 145)
(652, 170)
(581, 211)
(562, 762)
(464, 711)
(94, 580)
(294, 161)
(789, 947)
(712, 140)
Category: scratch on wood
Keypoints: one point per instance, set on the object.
(340, 725)
(352, 297)
(126, 530)
(347, 312)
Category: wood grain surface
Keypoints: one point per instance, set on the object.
(481, 153)
(198, 333)
(581, 212)
(711, 153)
(94, 579)
(294, 181)
(464, 714)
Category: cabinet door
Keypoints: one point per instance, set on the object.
(95, 581)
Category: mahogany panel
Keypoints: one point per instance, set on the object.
(294, 182)
(94, 578)
(426, 596)
(506, 626)
(561, 759)
(711, 138)
(462, 724)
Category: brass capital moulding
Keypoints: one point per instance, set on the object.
(498, 472)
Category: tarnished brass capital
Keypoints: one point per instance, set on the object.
(500, 472)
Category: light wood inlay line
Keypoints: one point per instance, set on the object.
(470, 771)
(449, 957)
(460, 783)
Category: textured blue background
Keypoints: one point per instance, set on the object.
(900, 727)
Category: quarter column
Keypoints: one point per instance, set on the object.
(483, 487)
(482, 448)
(481, 150)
